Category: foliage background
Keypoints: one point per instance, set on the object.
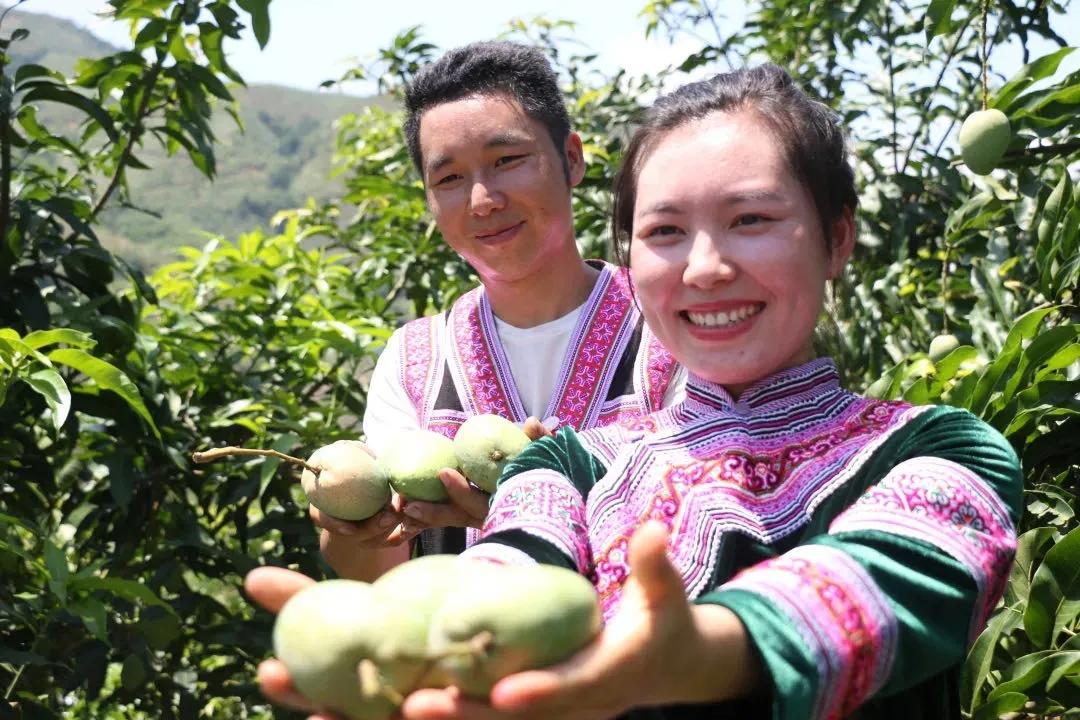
(121, 562)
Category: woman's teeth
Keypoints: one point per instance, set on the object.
(721, 319)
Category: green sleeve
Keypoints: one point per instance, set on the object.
(894, 592)
(538, 510)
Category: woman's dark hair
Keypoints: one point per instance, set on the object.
(810, 133)
(488, 68)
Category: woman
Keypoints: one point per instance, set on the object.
(839, 553)
(774, 545)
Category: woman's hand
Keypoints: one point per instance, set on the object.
(271, 587)
(658, 649)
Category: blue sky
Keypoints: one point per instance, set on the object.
(316, 40)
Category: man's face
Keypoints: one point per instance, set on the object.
(498, 186)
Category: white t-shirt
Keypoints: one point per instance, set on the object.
(535, 355)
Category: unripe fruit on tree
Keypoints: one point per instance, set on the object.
(534, 616)
(984, 137)
(324, 633)
(484, 444)
(349, 485)
(412, 462)
(942, 345)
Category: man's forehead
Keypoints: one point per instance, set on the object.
(473, 123)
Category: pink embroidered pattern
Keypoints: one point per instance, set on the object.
(846, 621)
(603, 339)
(419, 361)
(660, 367)
(545, 504)
(485, 391)
(943, 503)
(766, 494)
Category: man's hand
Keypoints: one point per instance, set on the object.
(468, 505)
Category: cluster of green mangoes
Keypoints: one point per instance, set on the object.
(353, 485)
(359, 649)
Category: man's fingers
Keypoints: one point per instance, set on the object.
(446, 704)
(271, 587)
(379, 524)
(535, 429)
(465, 496)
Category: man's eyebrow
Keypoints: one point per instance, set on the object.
(502, 139)
(666, 207)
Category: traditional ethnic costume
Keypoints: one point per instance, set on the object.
(862, 543)
(593, 367)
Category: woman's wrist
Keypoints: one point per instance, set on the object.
(720, 663)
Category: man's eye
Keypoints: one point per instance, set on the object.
(446, 180)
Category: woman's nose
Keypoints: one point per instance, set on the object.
(708, 261)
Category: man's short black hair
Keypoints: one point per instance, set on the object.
(520, 72)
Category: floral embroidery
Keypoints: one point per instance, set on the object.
(702, 480)
(945, 504)
(843, 617)
(545, 504)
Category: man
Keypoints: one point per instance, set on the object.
(546, 335)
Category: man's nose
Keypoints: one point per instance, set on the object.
(484, 197)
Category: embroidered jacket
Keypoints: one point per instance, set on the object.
(453, 367)
(862, 543)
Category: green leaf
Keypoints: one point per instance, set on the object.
(52, 387)
(260, 18)
(93, 616)
(938, 16)
(283, 444)
(1055, 591)
(981, 656)
(1030, 73)
(56, 564)
(74, 338)
(58, 94)
(127, 589)
(107, 377)
(1005, 703)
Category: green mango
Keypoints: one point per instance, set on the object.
(484, 444)
(412, 461)
(330, 630)
(349, 485)
(942, 345)
(503, 619)
(984, 137)
(419, 587)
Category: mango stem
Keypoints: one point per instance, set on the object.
(217, 453)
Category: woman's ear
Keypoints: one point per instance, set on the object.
(843, 243)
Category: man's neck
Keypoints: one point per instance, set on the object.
(543, 297)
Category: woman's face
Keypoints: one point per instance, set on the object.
(727, 254)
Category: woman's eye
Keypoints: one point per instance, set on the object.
(506, 159)
(662, 231)
(750, 219)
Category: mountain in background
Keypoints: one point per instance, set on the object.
(280, 159)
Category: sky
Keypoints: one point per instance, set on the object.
(316, 40)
